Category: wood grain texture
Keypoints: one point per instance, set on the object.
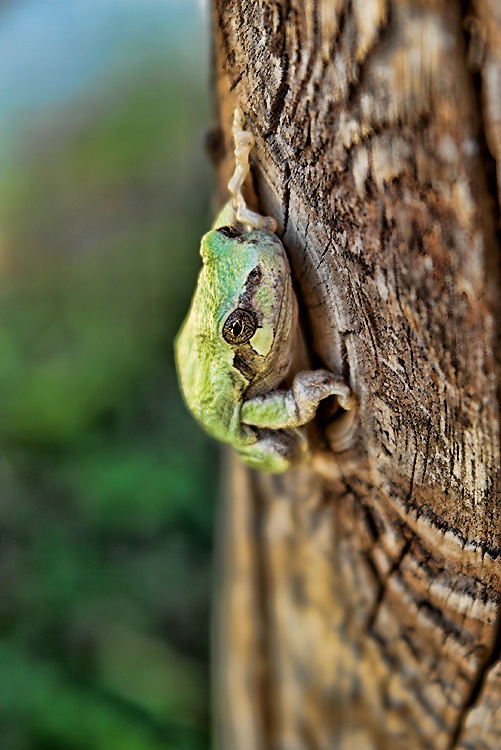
(361, 606)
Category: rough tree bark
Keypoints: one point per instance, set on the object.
(359, 607)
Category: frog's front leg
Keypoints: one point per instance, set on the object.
(276, 416)
(297, 405)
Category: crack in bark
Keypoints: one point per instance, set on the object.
(477, 686)
(384, 584)
(312, 58)
(284, 86)
(286, 198)
(426, 450)
(467, 11)
(237, 80)
(413, 474)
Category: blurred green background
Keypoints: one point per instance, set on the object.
(107, 485)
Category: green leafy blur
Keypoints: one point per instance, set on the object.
(108, 487)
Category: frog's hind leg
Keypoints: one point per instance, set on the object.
(276, 450)
(244, 141)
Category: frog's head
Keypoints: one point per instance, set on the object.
(255, 310)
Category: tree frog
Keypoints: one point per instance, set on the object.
(238, 352)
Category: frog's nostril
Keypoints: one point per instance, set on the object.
(229, 232)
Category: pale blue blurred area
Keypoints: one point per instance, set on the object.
(107, 484)
(54, 50)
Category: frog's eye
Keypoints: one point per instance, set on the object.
(239, 326)
(230, 232)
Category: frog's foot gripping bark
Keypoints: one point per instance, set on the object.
(309, 388)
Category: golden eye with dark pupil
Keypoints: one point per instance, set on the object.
(239, 326)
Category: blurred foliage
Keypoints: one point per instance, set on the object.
(107, 484)
(98, 228)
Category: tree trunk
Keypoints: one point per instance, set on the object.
(359, 605)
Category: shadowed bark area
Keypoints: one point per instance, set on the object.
(359, 606)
